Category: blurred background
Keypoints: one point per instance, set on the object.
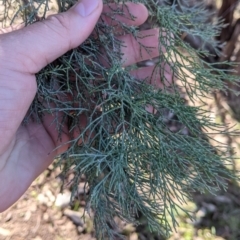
(44, 213)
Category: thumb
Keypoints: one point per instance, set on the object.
(33, 47)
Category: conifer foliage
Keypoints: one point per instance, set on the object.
(132, 160)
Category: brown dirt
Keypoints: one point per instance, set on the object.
(32, 218)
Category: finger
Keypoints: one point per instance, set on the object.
(158, 77)
(142, 47)
(35, 46)
(24, 52)
(131, 14)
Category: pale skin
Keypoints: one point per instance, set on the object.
(26, 151)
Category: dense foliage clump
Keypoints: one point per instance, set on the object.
(132, 160)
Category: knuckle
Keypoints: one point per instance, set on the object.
(59, 23)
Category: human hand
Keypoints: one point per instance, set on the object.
(26, 151)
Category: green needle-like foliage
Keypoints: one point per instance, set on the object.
(132, 160)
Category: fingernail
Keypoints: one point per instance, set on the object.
(86, 7)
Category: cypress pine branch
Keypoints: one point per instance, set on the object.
(132, 160)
